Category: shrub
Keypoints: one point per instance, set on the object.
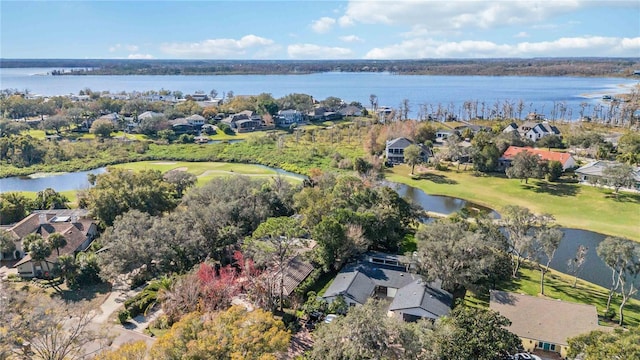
(123, 316)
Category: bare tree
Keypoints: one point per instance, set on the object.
(575, 264)
(55, 330)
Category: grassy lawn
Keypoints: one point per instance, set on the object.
(560, 286)
(573, 205)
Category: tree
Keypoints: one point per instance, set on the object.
(13, 207)
(554, 171)
(547, 241)
(366, 332)
(48, 199)
(619, 176)
(120, 190)
(136, 350)
(55, 123)
(231, 334)
(373, 99)
(213, 93)
(477, 333)
(575, 264)
(182, 180)
(412, 156)
(57, 241)
(55, 330)
(66, 265)
(39, 250)
(622, 256)
(596, 345)
(550, 141)
(524, 165)
(426, 132)
(7, 244)
(102, 128)
(276, 241)
(520, 225)
(448, 251)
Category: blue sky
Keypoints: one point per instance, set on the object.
(319, 29)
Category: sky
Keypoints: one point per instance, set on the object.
(300, 30)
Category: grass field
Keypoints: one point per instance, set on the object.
(572, 205)
(560, 286)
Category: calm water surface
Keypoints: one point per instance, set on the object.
(537, 93)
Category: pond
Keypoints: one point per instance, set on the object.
(594, 270)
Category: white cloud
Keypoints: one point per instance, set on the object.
(569, 46)
(115, 48)
(351, 38)
(345, 21)
(448, 15)
(521, 34)
(246, 47)
(312, 51)
(323, 25)
(140, 56)
(132, 48)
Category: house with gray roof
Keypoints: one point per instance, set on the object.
(394, 150)
(593, 172)
(387, 276)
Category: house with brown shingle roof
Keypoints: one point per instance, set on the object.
(544, 323)
(565, 159)
(78, 230)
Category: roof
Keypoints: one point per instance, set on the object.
(296, 272)
(149, 114)
(400, 142)
(545, 128)
(596, 168)
(544, 319)
(428, 297)
(358, 280)
(512, 151)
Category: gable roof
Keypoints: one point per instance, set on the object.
(359, 280)
(428, 297)
(596, 168)
(401, 143)
(545, 128)
(544, 319)
(512, 151)
(297, 270)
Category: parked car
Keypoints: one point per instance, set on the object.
(330, 318)
(525, 356)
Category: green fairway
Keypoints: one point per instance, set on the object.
(572, 205)
(205, 171)
(560, 286)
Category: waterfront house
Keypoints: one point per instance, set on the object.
(394, 150)
(541, 130)
(196, 121)
(78, 230)
(565, 159)
(543, 323)
(287, 117)
(593, 172)
(387, 276)
(350, 110)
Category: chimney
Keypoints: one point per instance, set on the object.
(43, 218)
(74, 219)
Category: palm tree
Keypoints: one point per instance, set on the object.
(67, 266)
(39, 250)
(57, 241)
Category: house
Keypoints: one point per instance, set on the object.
(288, 117)
(394, 150)
(543, 323)
(351, 110)
(149, 115)
(565, 159)
(534, 116)
(244, 121)
(385, 113)
(593, 172)
(387, 276)
(78, 230)
(541, 130)
(196, 121)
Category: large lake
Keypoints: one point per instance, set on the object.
(538, 93)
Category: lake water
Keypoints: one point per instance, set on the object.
(594, 269)
(538, 93)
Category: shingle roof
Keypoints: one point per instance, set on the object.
(512, 151)
(296, 272)
(400, 143)
(544, 319)
(425, 296)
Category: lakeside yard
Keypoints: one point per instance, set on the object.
(572, 205)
